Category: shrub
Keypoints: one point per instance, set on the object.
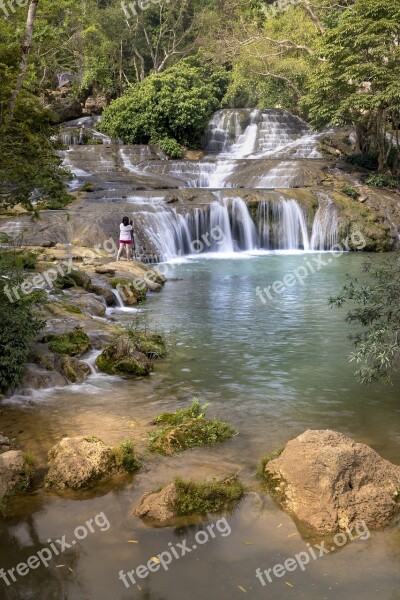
(174, 104)
(350, 191)
(171, 148)
(382, 181)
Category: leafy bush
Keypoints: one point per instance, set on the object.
(382, 181)
(174, 104)
(171, 148)
(350, 191)
(202, 498)
(19, 322)
(375, 308)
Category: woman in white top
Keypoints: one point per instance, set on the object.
(125, 237)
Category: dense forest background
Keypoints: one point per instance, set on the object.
(162, 68)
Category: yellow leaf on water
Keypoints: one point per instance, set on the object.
(155, 559)
(133, 542)
(59, 566)
(248, 543)
(292, 534)
(71, 569)
(139, 588)
(289, 584)
(242, 589)
(280, 525)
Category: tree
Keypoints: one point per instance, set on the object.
(174, 104)
(358, 83)
(377, 311)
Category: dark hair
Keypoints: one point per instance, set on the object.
(125, 221)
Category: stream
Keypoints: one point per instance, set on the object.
(272, 370)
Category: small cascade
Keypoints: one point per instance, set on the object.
(220, 221)
(285, 175)
(120, 305)
(118, 297)
(91, 361)
(325, 226)
(246, 142)
(282, 226)
(243, 227)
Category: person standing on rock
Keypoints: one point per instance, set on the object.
(125, 238)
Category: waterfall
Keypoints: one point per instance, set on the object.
(219, 220)
(325, 226)
(282, 226)
(242, 225)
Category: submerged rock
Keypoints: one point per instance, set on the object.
(330, 482)
(79, 462)
(12, 472)
(159, 506)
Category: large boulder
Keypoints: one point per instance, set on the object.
(79, 462)
(12, 471)
(330, 482)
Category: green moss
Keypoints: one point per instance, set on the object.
(106, 363)
(125, 457)
(26, 477)
(87, 187)
(71, 309)
(350, 191)
(264, 460)
(153, 345)
(202, 498)
(183, 431)
(73, 343)
(92, 439)
(75, 278)
(177, 417)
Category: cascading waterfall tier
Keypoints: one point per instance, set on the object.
(265, 150)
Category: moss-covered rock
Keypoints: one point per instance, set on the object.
(183, 498)
(81, 462)
(132, 291)
(73, 369)
(72, 343)
(16, 473)
(153, 345)
(75, 278)
(121, 357)
(187, 429)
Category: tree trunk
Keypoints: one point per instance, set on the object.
(30, 21)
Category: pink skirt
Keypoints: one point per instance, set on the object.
(125, 241)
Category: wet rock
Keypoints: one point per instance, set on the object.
(159, 506)
(79, 462)
(330, 482)
(37, 378)
(12, 465)
(121, 357)
(5, 444)
(105, 293)
(105, 270)
(87, 302)
(75, 278)
(73, 369)
(71, 343)
(63, 107)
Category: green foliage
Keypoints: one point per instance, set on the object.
(125, 457)
(368, 160)
(72, 343)
(203, 498)
(350, 191)
(176, 418)
(357, 83)
(376, 310)
(382, 181)
(152, 344)
(187, 429)
(19, 321)
(171, 148)
(264, 460)
(175, 104)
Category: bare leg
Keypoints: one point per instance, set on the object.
(127, 246)
(120, 251)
